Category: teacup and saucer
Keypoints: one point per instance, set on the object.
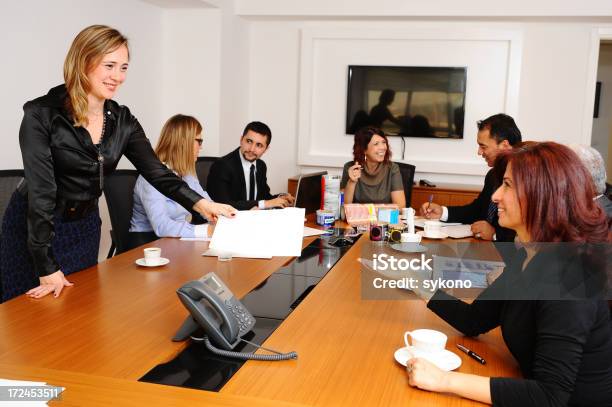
(433, 230)
(430, 345)
(152, 258)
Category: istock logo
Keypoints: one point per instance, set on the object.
(384, 262)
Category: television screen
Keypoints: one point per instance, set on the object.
(407, 101)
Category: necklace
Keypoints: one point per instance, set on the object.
(100, 157)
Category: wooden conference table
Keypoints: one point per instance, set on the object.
(115, 325)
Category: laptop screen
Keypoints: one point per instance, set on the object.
(308, 193)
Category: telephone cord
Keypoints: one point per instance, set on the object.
(244, 356)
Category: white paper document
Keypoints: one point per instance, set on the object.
(217, 253)
(419, 222)
(260, 234)
(455, 268)
(312, 232)
(196, 239)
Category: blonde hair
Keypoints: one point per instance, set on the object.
(175, 145)
(86, 51)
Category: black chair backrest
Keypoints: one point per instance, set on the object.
(407, 171)
(9, 179)
(203, 168)
(119, 193)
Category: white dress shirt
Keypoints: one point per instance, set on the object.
(246, 168)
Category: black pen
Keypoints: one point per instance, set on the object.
(472, 354)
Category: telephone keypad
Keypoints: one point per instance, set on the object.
(243, 317)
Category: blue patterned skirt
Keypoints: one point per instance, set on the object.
(75, 247)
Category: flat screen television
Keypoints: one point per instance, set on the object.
(410, 101)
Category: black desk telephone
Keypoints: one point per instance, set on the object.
(223, 318)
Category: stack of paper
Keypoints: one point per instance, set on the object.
(419, 222)
(312, 232)
(260, 234)
(456, 268)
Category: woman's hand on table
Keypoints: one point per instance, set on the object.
(53, 283)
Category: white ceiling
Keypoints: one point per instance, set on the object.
(184, 3)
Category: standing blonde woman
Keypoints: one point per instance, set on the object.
(70, 139)
(155, 215)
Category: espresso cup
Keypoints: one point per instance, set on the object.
(152, 256)
(433, 228)
(426, 340)
(411, 238)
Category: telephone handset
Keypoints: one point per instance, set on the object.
(223, 318)
(216, 310)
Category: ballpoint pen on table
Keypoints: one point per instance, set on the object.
(472, 354)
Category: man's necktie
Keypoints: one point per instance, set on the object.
(491, 212)
(252, 183)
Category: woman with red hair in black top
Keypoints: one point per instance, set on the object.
(550, 299)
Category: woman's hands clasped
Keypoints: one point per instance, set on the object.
(53, 283)
(212, 210)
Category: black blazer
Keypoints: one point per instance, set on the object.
(226, 183)
(479, 208)
(61, 164)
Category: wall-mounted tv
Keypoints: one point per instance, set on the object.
(407, 101)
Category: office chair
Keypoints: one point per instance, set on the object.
(10, 285)
(203, 168)
(9, 179)
(407, 171)
(119, 193)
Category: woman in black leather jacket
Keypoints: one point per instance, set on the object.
(70, 139)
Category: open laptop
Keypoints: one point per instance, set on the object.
(308, 192)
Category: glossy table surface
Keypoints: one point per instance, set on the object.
(117, 321)
(91, 390)
(346, 344)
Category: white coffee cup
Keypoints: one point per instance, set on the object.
(433, 228)
(152, 256)
(411, 238)
(406, 212)
(426, 340)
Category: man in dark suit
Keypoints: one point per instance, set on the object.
(495, 134)
(239, 178)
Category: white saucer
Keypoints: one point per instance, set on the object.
(444, 359)
(162, 262)
(438, 236)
